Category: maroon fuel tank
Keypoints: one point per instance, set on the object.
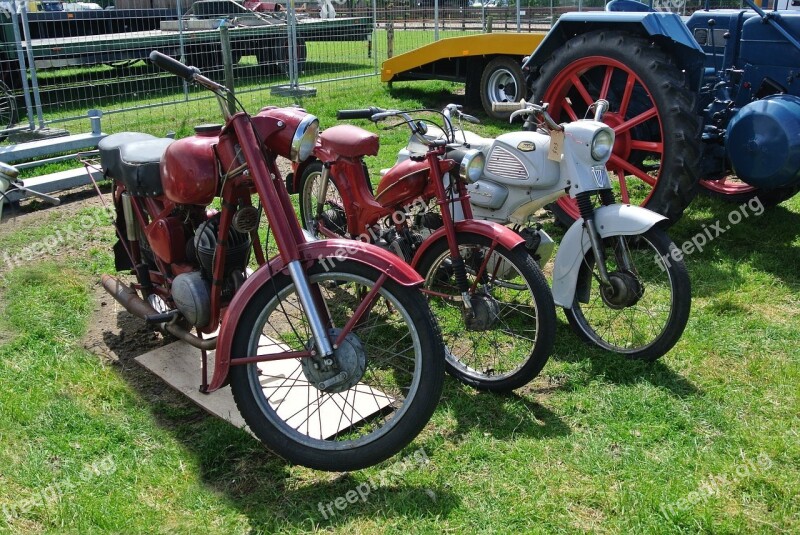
(402, 183)
(189, 168)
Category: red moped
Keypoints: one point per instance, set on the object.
(335, 366)
(491, 300)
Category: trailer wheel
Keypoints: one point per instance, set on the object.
(656, 153)
(275, 56)
(501, 81)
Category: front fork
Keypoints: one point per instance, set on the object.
(587, 213)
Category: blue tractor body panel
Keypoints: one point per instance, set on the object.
(667, 29)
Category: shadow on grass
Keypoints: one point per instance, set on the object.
(500, 415)
(765, 242)
(256, 482)
(615, 368)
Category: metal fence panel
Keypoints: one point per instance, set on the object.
(78, 61)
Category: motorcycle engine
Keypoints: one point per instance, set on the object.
(192, 291)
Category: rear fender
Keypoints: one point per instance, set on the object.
(327, 251)
(613, 220)
(665, 29)
(494, 231)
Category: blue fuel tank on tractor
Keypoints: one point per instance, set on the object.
(763, 142)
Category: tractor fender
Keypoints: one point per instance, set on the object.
(612, 220)
(494, 231)
(329, 250)
(666, 29)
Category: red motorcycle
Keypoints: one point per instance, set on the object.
(335, 365)
(491, 300)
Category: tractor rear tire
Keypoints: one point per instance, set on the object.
(644, 88)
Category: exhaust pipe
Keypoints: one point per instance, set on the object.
(130, 300)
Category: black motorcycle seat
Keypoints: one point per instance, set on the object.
(109, 150)
(134, 159)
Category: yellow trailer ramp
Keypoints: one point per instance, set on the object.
(489, 64)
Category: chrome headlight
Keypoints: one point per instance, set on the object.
(602, 143)
(472, 165)
(304, 138)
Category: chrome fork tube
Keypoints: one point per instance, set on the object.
(323, 191)
(300, 280)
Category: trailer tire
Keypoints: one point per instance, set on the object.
(630, 72)
(8, 110)
(501, 81)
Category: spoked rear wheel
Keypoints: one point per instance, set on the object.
(645, 315)
(304, 409)
(333, 213)
(510, 335)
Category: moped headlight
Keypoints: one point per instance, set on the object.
(472, 165)
(304, 138)
(602, 143)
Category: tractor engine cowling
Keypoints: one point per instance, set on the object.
(763, 142)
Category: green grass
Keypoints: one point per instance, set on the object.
(595, 443)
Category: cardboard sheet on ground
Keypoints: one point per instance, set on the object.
(178, 364)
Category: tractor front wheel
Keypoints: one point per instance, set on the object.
(656, 153)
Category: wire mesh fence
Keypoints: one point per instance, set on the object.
(59, 62)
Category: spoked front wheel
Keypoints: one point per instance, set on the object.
(362, 405)
(507, 337)
(645, 313)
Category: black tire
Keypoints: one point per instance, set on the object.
(669, 322)
(501, 81)
(658, 83)
(410, 386)
(210, 59)
(275, 56)
(8, 110)
(502, 358)
(333, 211)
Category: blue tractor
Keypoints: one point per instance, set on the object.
(710, 101)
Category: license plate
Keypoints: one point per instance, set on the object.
(601, 177)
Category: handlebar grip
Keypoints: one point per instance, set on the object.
(173, 65)
(365, 113)
(508, 106)
(470, 118)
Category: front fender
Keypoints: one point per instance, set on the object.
(613, 220)
(494, 231)
(332, 251)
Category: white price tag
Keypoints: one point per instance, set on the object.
(556, 145)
